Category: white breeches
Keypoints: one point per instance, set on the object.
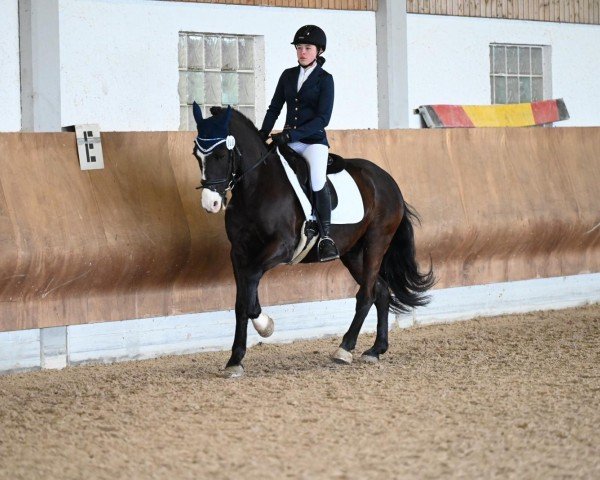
(316, 156)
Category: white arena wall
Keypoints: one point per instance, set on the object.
(10, 91)
(119, 59)
(448, 61)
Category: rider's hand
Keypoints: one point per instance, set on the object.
(263, 135)
(281, 139)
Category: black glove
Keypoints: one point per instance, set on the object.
(282, 138)
(263, 135)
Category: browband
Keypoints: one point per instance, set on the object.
(229, 143)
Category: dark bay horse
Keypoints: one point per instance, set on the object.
(263, 219)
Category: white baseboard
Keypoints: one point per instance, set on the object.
(190, 333)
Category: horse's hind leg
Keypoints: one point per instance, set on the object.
(364, 270)
(353, 262)
(382, 303)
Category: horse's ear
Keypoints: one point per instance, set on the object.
(197, 113)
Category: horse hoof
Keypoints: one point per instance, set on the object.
(369, 358)
(264, 325)
(342, 356)
(234, 371)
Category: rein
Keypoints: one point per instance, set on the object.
(260, 160)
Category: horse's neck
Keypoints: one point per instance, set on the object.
(264, 196)
(255, 176)
(261, 176)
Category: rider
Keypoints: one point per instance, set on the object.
(307, 91)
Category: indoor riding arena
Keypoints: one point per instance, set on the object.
(117, 291)
(508, 396)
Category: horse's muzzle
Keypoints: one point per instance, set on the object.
(211, 201)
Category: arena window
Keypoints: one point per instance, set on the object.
(519, 73)
(216, 70)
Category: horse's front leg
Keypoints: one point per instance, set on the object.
(246, 306)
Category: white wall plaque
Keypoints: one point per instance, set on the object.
(89, 147)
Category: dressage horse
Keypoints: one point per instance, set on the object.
(263, 219)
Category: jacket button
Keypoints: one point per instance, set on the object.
(296, 109)
(296, 99)
(294, 127)
(295, 118)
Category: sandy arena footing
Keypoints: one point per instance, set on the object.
(506, 397)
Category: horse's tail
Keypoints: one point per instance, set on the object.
(400, 270)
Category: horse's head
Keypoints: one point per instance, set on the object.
(214, 150)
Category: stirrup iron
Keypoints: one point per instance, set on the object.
(327, 250)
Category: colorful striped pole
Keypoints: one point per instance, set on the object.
(508, 115)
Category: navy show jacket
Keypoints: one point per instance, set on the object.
(308, 109)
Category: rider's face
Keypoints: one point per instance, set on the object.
(306, 54)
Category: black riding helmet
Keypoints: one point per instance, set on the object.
(311, 35)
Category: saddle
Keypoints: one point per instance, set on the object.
(297, 162)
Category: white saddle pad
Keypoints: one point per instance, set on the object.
(350, 208)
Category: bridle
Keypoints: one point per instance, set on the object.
(232, 178)
(229, 179)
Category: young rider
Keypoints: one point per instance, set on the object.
(307, 91)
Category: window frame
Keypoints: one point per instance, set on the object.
(545, 75)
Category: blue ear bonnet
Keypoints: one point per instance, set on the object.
(212, 131)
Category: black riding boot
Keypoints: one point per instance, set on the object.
(326, 249)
